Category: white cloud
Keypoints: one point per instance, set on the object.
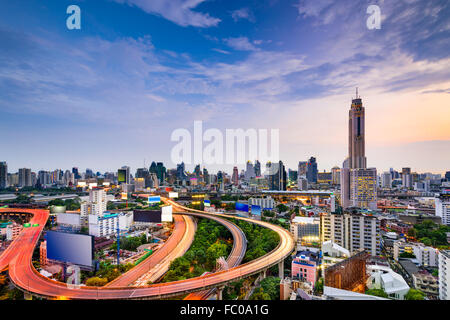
(240, 43)
(178, 11)
(243, 13)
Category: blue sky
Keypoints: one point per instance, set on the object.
(111, 93)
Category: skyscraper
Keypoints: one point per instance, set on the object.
(358, 184)
(311, 170)
(258, 168)
(250, 171)
(181, 173)
(3, 175)
(25, 177)
(277, 178)
(235, 178)
(75, 172)
(356, 135)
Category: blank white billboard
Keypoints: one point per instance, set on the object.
(166, 214)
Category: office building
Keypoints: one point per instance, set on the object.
(336, 176)
(277, 177)
(250, 171)
(324, 177)
(3, 175)
(311, 170)
(386, 180)
(257, 168)
(123, 175)
(235, 177)
(305, 230)
(25, 177)
(302, 184)
(181, 172)
(363, 188)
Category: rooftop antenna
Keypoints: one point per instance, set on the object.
(356, 92)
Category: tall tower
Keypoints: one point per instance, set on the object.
(358, 183)
(356, 135)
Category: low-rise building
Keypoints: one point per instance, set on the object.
(426, 256)
(383, 277)
(304, 267)
(333, 253)
(426, 282)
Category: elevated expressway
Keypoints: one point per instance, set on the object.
(25, 276)
(158, 263)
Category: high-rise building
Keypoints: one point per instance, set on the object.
(336, 176)
(75, 172)
(277, 178)
(235, 177)
(68, 178)
(386, 180)
(447, 176)
(161, 172)
(197, 171)
(302, 167)
(206, 176)
(141, 173)
(89, 174)
(442, 207)
(181, 172)
(363, 186)
(123, 175)
(258, 168)
(444, 275)
(250, 171)
(97, 203)
(3, 175)
(293, 176)
(352, 231)
(358, 184)
(25, 177)
(356, 135)
(44, 178)
(311, 170)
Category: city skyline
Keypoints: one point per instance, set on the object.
(263, 64)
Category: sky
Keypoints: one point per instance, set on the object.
(113, 92)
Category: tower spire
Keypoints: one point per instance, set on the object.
(356, 92)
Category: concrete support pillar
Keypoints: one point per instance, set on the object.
(263, 274)
(220, 293)
(281, 269)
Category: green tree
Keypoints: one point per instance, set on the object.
(259, 294)
(377, 292)
(407, 255)
(96, 282)
(414, 294)
(271, 286)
